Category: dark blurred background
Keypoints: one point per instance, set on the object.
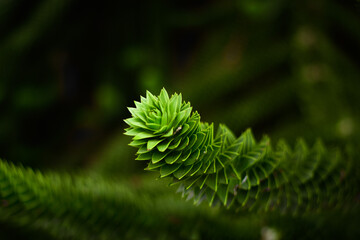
(69, 69)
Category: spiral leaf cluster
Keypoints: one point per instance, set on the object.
(235, 172)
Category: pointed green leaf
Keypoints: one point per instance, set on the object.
(133, 131)
(249, 141)
(144, 156)
(175, 143)
(152, 166)
(143, 135)
(222, 193)
(173, 105)
(151, 98)
(135, 122)
(168, 169)
(164, 145)
(181, 172)
(204, 180)
(158, 156)
(169, 133)
(182, 116)
(212, 182)
(142, 150)
(153, 142)
(192, 141)
(193, 157)
(138, 143)
(196, 168)
(161, 130)
(171, 158)
(153, 126)
(185, 155)
(183, 144)
(200, 138)
(164, 97)
(137, 113)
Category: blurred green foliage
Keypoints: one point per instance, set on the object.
(69, 69)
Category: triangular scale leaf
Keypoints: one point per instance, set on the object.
(164, 145)
(143, 135)
(181, 172)
(152, 166)
(133, 131)
(144, 156)
(169, 133)
(171, 158)
(158, 156)
(168, 169)
(153, 142)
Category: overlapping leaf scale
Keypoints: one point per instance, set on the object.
(235, 172)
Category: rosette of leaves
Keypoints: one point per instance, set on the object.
(167, 134)
(236, 172)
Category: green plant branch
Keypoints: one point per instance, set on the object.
(89, 207)
(235, 172)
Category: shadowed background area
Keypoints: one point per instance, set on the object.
(69, 69)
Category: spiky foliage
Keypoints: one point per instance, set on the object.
(90, 207)
(236, 172)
